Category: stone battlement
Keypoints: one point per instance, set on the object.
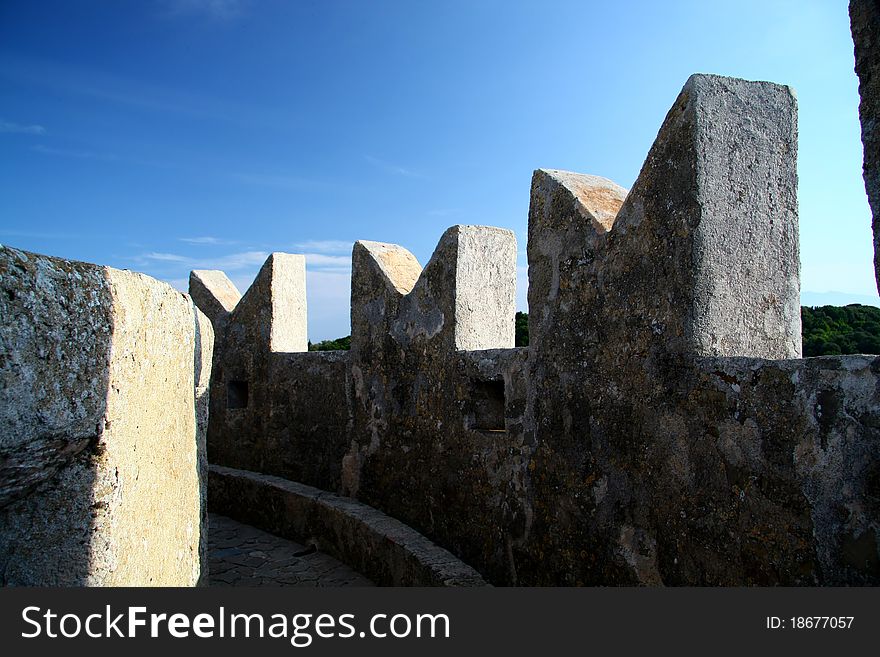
(661, 426)
(660, 429)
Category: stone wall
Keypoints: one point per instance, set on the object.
(865, 23)
(103, 413)
(661, 428)
(265, 382)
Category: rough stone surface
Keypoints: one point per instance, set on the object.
(214, 294)
(485, 288)
(705, 250)
(865, 23)
(204, 359)
(56, 331)
(268, 321)
(101, 447)
(659, 429)
(569, 215)
(384, 549)
(241, 555)
(288, 329)
(305, 440)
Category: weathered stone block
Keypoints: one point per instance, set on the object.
(865, 24)
(381, 275)
(568, 218)
(464, 299)
(704, 251)
(485, 287)
(214, 294)
(104, 375)
(270, 319)
(274, 307)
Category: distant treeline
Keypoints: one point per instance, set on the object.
(827, 331)
(332, 345)
(832, 330)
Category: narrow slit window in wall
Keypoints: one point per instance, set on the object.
(487, 405)
(237, 394)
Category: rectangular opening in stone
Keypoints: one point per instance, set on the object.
(487, 405)
(237, 394)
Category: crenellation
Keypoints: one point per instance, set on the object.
(705, 248)
(466, 292)
(269, 319)
(381, 275)
(569, 217)
(273, 309)
(214, 294)
(659, 429)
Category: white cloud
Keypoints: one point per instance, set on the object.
(328, 299)
(235, 261)
(243, 260)
(322, 260)
(324, 246)
(165, 257)
(181, 284)
(230, 262)
(16, 128)
(243, 281)
(328, 282)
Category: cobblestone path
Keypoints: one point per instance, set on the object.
(241, 555)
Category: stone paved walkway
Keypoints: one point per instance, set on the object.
(241, 555)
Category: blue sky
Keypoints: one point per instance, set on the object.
(167, 135)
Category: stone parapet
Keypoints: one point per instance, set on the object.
(103, 397)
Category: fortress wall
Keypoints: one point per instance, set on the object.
(102, 426)
(352, 422)
(429, 430)
(865, 24)
(738, 471)
(659, 429)
(700, 259)
(275, 407)
(308, 427)
(269, 318)
(797, 446)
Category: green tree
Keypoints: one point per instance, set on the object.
(522, 330)
(332, 345)
(835, 330)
